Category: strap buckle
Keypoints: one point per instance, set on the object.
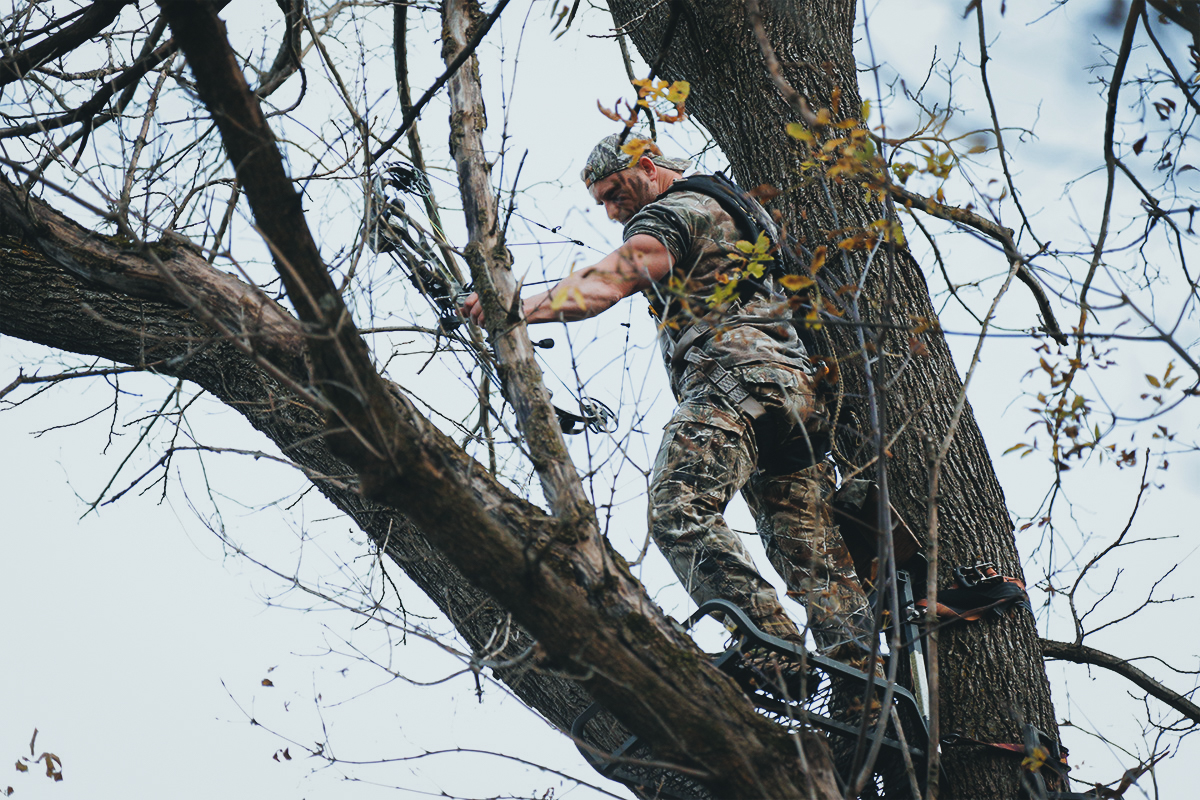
(981, 573)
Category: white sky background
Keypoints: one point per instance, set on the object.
(136, 641)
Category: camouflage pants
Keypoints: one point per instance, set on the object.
(710, 450)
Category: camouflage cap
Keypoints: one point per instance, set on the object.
(607, 157)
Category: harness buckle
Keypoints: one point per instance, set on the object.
(981, 573)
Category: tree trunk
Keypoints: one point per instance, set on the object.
(992, 674)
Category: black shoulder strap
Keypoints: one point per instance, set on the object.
(749, 216)
(732, 199)
(751, 219)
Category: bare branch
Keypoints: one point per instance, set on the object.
(1082, 654)
(576, 595)
(468, 50)
(98, 16)
(1003, 236)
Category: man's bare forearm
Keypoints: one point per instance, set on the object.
(634, 266)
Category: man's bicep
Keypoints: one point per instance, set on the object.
(649, 257)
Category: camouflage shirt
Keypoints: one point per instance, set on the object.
(700, 236)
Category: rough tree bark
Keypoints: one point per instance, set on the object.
(992, 675)
(113, 304)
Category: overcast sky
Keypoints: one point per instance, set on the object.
(137, 640)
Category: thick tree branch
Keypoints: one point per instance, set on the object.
(1082, 654)
(77, 310)
(580, 600)
(491, 267)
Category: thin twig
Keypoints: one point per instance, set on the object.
(467, 51)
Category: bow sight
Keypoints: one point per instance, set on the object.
(593, 416)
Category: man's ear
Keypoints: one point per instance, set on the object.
(648, 167)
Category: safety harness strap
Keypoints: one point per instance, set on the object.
(729, 385)
(977, 590)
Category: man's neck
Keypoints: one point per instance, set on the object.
(665, 178)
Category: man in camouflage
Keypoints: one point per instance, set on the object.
(747, 418)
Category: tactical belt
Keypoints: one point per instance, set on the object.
(698, 333)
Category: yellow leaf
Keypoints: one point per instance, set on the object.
(1153, 381)
(794, 283)
(866, 109)
(798, 131)
(846, 124)
(558, 299)
(744, 246)
(979, 148)
(267, 682)
(577, 296)
(818, 259)
(679, 92)
(635, 148)
(722, 293)
(22, 767)
(1036, 760)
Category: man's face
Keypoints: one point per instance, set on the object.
(624, 193)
